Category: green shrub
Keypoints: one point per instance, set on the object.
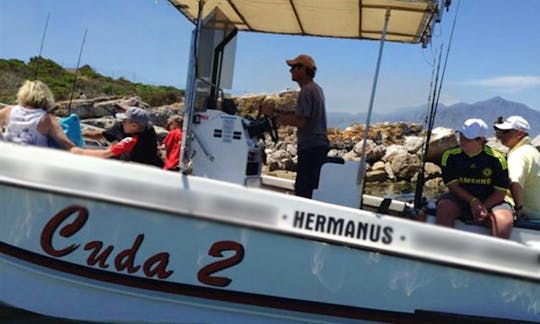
(13, 72)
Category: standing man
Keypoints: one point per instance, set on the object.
(310, 119)
(523, 166)
(477, 177)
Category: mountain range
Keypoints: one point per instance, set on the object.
(451, 116)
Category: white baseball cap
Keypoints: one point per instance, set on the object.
(514, 122)
(473, 128)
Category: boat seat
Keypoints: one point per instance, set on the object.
(337, 183)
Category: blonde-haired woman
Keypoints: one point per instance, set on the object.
(28, 122)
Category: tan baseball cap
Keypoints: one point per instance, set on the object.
(303, 59)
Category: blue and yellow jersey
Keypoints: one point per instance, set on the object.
(479, 174)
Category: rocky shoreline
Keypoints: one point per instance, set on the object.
(393, 150)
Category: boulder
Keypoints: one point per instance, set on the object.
(160, 115)
(375, 153)
(432, 170)
(495, 144)
(291, 149)
(379, 165)
(392, 151)
(376, 176)
(389, 171)
(413, 144)
(95, 109)
(405, 165)
(336, 153)
(351, 156)
(103, 122)
(441, 140)
(536, 142)
(435, 183)
(81, 107)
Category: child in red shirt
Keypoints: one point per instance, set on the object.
(172, 143)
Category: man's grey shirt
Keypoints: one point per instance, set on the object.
(311, 105)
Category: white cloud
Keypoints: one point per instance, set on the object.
(508, 84)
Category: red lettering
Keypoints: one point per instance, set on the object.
(157, 265)
(205, 274)
(96, 256)
(67, 231)
(126, 258)
(124, 261)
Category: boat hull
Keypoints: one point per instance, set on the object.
(93, 259)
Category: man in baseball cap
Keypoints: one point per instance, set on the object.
(514, 122)
(310, 119)
(304, 60)
(523, 166)
(134, 134)
(474, 128)
(135, 114)
(477, 179)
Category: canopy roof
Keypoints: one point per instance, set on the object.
(409, 22)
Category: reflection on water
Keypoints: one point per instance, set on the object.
(403, 191)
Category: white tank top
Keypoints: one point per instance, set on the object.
(22, 126)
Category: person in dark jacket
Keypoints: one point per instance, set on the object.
(134, 123)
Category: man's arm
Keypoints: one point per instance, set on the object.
(461, 193)
(94, 134)
(517, 170)
(291, 119)
(478, 208)
(284, 117)
(58, 134)
(517, 194)
(4, 116)
(124, 146)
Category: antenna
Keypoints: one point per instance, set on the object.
(76, 72)
(41, 46)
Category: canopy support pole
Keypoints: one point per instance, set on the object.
(360, 177)
(191, 94)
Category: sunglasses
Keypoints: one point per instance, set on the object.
(295, 66)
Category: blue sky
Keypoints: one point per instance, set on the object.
(495, 52)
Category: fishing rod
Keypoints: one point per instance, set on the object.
(76, 72)
(41, 46)
(418, 201)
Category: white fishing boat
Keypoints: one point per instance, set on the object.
(99, 240)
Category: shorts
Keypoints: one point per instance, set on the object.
(465, 207)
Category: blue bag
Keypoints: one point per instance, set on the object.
(72, 127)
